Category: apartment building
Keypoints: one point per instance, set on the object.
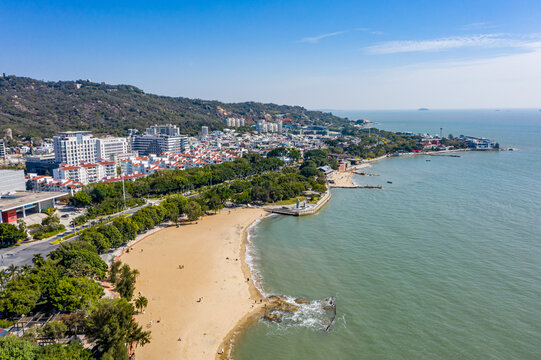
(73, 147)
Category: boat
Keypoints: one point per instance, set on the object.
(389, 182)
(427, 159)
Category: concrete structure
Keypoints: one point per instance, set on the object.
(17, 205)
(72, 147)
(108, 148)
(12, 180)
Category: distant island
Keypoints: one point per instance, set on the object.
(423, 109)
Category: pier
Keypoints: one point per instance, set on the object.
(307, 209)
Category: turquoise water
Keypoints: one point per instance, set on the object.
(444, 263)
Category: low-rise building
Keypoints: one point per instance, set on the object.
(86, 173)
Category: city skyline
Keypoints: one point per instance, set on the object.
(348, 56)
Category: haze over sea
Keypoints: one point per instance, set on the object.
(444, 263)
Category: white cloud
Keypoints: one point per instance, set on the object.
(478, 26)
(479, 41)
(315, 39)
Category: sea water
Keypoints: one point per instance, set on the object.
(444, 263)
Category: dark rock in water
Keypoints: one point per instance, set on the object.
(280, 303)
(302, 301)
(275, 317)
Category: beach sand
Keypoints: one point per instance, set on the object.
(227, 298)
(341, 179)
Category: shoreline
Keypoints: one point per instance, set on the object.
(209, 303)
(224, 347)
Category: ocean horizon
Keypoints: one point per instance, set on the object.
(442, 263)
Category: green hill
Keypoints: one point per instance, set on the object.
(41, 109)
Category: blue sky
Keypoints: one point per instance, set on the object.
(320, 54)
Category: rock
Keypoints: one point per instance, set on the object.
(302, 301)
(276, 317)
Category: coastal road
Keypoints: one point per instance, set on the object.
(23, 254)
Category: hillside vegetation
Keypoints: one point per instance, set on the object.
(37, 108)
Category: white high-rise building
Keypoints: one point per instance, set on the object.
(204, 131)
(158, 139)
(108, 148)
(2, 148)
(72, 147)
(234, 122)
(261, 126)
(279, 125)
(171, 130)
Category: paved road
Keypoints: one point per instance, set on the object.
(23, 254)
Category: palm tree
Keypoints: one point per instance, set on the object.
(141, 302)
(12, 271)
(25, 269)
(3, 279)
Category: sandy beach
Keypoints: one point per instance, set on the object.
(341, 179)
(206, 300)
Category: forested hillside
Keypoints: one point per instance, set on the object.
(36, 108)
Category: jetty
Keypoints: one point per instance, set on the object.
(364, 174)
(301, 209)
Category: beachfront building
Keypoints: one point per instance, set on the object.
(72, 147)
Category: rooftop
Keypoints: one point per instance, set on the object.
(17, 199)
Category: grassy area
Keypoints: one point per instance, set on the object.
(315, 199)
(291, 201)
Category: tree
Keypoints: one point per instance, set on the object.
(100, 242)
(143, 220)
(73, 351)
(74, 293)
(112, 233)
(111, 324)
(54, 330)
(81, 199)
(127, 228)
(193, 211)
(294, 154)
(20, 296)
(10, 234)
(38, 260)
(172, 211)
(79, 259)
(123, 277)
(101, 191)
(141, 302)
(15, 348)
